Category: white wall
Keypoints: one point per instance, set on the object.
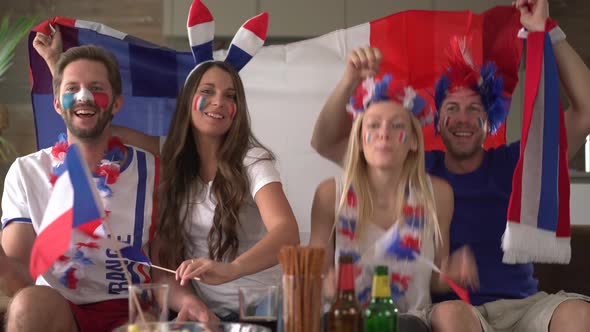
(305, 18)
(579, 207)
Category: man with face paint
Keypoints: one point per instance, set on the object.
(482, 184)
(87, 289)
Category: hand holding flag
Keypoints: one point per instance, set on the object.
(135, 255)
(74, 204)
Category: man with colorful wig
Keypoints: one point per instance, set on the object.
(470, 105)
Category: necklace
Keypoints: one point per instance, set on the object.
(107, 171)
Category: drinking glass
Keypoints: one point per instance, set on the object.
(259, 305)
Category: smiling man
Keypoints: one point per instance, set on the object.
(86, 287)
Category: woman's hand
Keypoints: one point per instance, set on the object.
(206, 271)
(361, 63)
(193, 309)
(460, 267)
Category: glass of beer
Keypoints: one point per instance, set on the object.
(259, 305)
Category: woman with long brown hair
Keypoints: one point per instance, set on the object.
(223, 214)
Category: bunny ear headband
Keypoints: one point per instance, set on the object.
(247, 41)
(373, 90)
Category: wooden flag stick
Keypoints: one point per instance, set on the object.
(161, 268)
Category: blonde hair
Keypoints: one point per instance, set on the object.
(413, 177)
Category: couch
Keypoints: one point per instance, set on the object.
(573, 277)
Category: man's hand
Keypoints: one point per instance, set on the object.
(193, 309)
(49, 47)
(460, 267)
(361, 63)
(207, 271)
(533, 13)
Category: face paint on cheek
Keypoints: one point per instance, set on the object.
(67, 101)
(403, 137)
(367, 138)
(101, 99)
(232, 111)
(199, 103)
(446, 121)
(480, 121)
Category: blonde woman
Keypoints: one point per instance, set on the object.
(384, 193)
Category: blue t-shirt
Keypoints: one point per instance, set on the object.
(479, 220)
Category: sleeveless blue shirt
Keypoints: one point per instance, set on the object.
(479, 221)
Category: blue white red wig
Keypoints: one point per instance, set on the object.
(463, 73)
(374, 90)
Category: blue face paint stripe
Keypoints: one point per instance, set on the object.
(202, 101)
(67, 100)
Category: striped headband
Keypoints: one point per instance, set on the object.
(247, 41)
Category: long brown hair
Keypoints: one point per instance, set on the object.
(181, 164)
(413, 176)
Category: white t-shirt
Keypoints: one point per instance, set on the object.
(223, 299)
(410, 297)
(88, 274)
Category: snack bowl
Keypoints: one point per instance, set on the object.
(191, 327)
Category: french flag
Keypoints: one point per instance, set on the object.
(291, 77)
(538, 228)
(74, 204)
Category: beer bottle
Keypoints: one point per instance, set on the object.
(345, 314)
(381, 314)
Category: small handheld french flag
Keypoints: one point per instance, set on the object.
(74, 203)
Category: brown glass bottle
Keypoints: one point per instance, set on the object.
(345, 314)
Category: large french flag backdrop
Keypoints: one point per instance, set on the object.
(286, 85)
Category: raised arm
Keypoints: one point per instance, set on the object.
(573, 74)
(332, 128)
(575, 78)
(49, 48)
